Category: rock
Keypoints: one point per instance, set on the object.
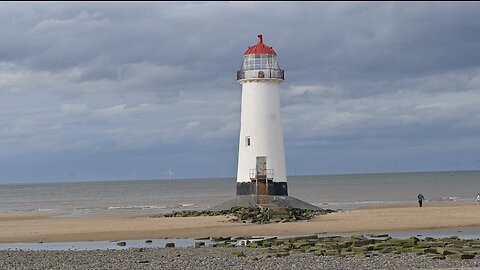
(414, 239)
(332, 252)
(285, 247)
(170, 245)
(359, 249)
(238, 254)
(383, 245)
(267, 244)
(445, 251)
(122, 244)
(362, 254)
(281, 254)
(403, 243)
(202, 238)
(305, 237)
(436, 257)
(218, 239)
(346, 244)
(333, 246)
(300, 244)
(378, 235)
(330, 238)
(411, 242)
(138, 249)
(387, 250)
(418, 251)
(431, 250)
(199, 244)
(255, 214)
(347, 253)
(462, 256)
(364, 242)
(312, 249)
(148, 241)
(358, 237)
(321, 252)
(430, 244)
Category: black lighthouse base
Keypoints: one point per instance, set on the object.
(274, 188)
(266, 193)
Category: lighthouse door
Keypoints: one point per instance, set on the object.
(262, 185)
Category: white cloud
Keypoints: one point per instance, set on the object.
(81, 21)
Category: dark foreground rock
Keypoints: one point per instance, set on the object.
(255, 214)
(450, 248)
(216, 258)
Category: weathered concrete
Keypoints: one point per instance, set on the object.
(278, 201)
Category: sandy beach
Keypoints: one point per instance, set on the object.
(41, 227)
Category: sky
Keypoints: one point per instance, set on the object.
(130, 90)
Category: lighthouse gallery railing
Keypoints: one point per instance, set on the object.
(261, 74)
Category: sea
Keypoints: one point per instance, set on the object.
(145, 197)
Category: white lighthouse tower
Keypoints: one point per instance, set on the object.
(261, 155)
(261, 175)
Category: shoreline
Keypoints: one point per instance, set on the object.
(48, 227)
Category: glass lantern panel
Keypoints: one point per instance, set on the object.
(260, 61)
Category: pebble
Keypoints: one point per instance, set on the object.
(214, 258)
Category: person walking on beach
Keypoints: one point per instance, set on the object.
(478, 198)
(420, 199)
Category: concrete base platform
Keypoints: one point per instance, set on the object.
(266, 201)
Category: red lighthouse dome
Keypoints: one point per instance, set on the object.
(260, 63)
(260, 48)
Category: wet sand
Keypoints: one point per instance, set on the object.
(40, 227)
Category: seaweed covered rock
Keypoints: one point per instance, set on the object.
(360, 246)
(259, 215)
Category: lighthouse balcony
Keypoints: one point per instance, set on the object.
(275, 74)
(259, 175)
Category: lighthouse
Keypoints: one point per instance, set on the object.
(261, 175)
(261, 154)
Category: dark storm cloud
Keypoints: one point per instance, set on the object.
(128, 78)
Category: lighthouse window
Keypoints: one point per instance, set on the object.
(247, 141)
(260, 61)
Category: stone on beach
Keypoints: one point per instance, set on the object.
(231, 258)
(358, 245)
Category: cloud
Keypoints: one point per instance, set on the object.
(416, 104)
(157, 80)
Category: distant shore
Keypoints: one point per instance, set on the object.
(27, 227)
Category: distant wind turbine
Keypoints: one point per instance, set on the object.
(170, 174)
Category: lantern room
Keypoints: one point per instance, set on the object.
(260, 63)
